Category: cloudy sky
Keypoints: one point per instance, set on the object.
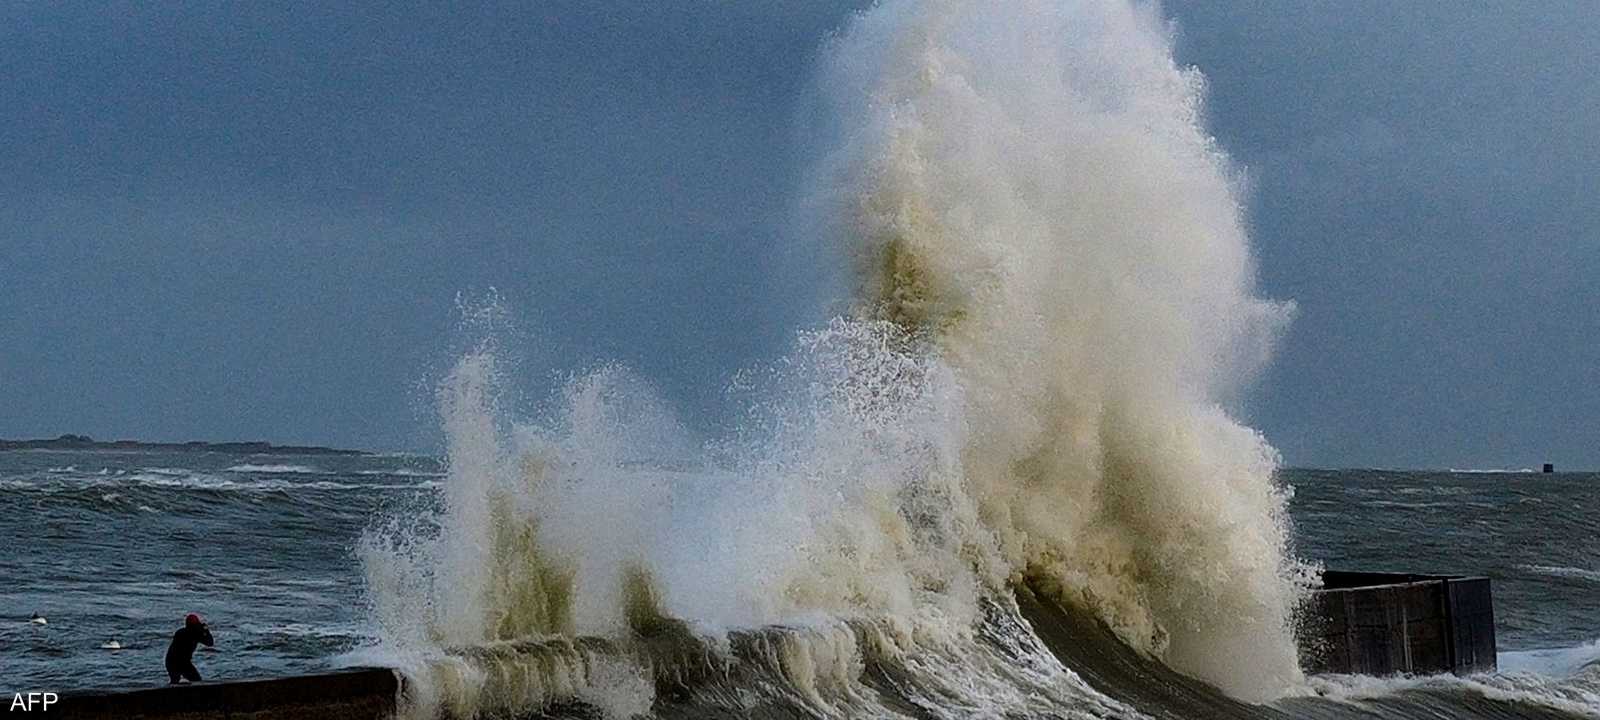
(247, 222)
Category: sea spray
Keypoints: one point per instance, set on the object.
(1030, 186)
(842, 501)
(1055, 309)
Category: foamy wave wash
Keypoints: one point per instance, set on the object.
(1030, 186)
(1055, 306)
(603, 543)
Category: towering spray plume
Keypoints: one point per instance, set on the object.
(1030, 186)
(1055, 306)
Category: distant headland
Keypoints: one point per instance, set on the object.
(84, 442)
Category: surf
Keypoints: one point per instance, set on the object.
(1007, 479)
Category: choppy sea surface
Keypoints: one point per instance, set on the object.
(118, 546)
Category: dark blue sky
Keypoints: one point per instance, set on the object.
(246, 222)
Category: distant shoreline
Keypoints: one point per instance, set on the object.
(84, 442)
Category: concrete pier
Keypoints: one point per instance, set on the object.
(1387, 623)
(356, 694)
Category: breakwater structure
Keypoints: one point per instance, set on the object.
(1357, 623)
(354, 694)
(1386, 623)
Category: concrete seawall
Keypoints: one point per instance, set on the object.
(1367, 623)
(356, 694)
(1386, 623)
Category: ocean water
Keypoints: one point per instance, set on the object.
(1006, 479)
(121, 545)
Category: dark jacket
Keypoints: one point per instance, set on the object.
(184, 642)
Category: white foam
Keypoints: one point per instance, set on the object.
(1577, 694)
(277, 469)
(1564, 572)
(1056, 309)
(401, 472)
(201, 481)
(191, 481)
(1559, 662)
(1033, 186)
(305, 630)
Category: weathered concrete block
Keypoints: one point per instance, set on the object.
(1385, 623)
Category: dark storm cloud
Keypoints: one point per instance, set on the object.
(241, 221)
(1425, 179)
(248, 221)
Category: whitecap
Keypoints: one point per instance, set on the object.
(305, 630)
(400, 472)
(1563, 572)
(277, 469)
(1559, 662)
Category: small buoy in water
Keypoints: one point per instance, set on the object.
(111, 645)
(38, 620)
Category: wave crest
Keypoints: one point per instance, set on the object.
(1056, 310)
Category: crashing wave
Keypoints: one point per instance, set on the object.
(1005, 483)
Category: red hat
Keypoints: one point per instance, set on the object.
(193, 619)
